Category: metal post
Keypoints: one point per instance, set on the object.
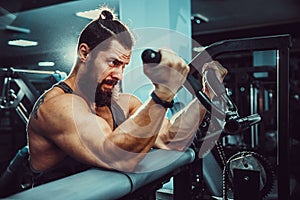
(283, 123)
(183, 185)
(253, 110)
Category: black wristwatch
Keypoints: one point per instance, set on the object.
(157, 100)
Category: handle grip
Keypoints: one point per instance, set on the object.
(192, 84)
(234, 124)
(151, 56)
(237, 124)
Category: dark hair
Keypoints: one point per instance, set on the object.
(105, 27)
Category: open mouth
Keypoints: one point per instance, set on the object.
(109, 84)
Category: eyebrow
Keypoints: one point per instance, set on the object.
(118, 60)
(124, 61)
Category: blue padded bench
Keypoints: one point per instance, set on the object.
(153, 171)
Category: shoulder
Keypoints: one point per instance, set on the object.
(51, 110)
(65, 105)
(53, 101)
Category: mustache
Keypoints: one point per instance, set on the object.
(110, 82)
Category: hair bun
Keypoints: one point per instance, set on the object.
(107, 15)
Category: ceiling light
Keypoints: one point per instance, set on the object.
(22, 43)
(91, 14)
(198, 18)
(46, 64)
(199, 49)
(17, 29)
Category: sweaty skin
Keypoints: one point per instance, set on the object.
(70, 124)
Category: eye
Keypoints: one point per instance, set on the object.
(112, 63)
(115, 63)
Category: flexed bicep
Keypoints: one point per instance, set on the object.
(89, 139)
(68, 123)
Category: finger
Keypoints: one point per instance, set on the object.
(186, 71)
(210, 65)
(223, 70)
(184, 67)
(220, 71)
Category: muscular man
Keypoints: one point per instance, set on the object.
(84, 121)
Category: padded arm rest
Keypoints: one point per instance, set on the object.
(159, 163)
(105, 184)
(91, 184)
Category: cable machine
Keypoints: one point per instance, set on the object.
(234, 123)
(282, 45)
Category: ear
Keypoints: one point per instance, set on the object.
(83, 51)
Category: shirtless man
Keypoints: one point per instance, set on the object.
(71, 120)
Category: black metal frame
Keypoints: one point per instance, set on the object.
(11, 99)
(281, 43)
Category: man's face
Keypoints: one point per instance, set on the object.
(105, 69)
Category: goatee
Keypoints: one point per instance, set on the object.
(103, 97)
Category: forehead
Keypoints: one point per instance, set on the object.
(117, 51)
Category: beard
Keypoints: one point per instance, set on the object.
(103, 97)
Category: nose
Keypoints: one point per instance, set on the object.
(117, 73)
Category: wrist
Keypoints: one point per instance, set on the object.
(157, 100)
(164, 93)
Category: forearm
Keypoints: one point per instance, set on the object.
(182, 127)
(127, 144)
